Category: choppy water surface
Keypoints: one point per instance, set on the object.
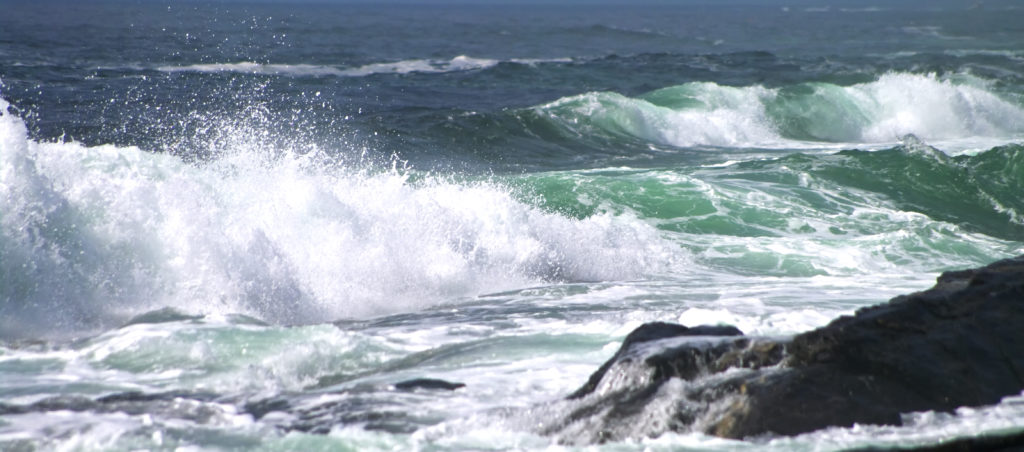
(237, 226)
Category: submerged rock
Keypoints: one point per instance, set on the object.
(428, 383)
(960, 343)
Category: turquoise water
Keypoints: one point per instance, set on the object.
(236, 226)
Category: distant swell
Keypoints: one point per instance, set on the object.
(880, 112)
(248, 67)
(92, 235)
(459, 63)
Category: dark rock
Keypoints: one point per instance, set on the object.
(1004, 442)
(260, 408)
(163, 315)
(646, 333)
(957, 344)
(960, 343)
(370, 407)
(427, 383)
(188, 405)
(141, 397)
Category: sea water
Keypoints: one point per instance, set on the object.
(235, 226)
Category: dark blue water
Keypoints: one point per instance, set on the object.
(142, 73)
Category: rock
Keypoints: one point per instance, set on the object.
(372, 406)
(646, 333)
(1000, 442)
(427, 383)
(960, 343)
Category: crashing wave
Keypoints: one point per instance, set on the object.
(805, 115)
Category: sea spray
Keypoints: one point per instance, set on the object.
(94, 235)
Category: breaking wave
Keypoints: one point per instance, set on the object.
(935, 109)
(90, 236)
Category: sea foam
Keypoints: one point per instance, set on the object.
(961, 111)
(92, 235)
(456, 64)
(249, 67)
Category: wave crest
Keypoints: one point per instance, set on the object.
(90, 236)
(456, 64)
(799, 116)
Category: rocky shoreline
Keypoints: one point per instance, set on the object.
(960, 343)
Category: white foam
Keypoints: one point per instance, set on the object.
(933, 109)
(869, 9)
(456, 64)
(922, 429)
(459, 63)
(734, 117)
(92, 235)
(248, 67)
(957, 113)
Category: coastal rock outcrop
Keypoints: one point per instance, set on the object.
(960, 343)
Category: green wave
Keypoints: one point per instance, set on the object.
(980, 193)
(806, 214)
(759, 198)
(881, 111)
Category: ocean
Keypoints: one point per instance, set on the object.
(237, 225)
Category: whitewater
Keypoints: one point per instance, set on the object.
(223, 229)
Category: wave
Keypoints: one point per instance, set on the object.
(869, 9)
(247, 67)
(701, 114)
(457, 64)
(978, 192)
(895, 210)
(876, 113)
(90, 236)
(931, 31)
(1014, 55)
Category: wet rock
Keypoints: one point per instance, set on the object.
(1005, 442)
(369, 407)
(960, 343)
(260, 408)
(427, 383)
(390, 408)
(646, 333)
(188, 405)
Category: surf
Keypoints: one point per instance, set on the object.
(90, 236)
(959, 112)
